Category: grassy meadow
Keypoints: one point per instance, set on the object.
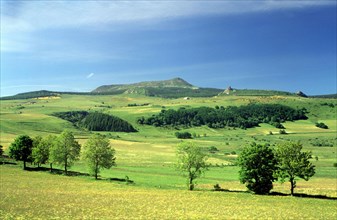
(147, 157)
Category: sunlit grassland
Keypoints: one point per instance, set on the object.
(33, 195)
(148, 158)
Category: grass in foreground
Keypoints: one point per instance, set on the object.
(39, 195)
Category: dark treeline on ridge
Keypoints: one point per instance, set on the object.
(219, 117)
(169, 92)
(96, 121)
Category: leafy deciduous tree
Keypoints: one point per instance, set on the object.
(21, 149)
(98, 154)
(293, 163)
(66, 150)
(191, 160)
(41, 151)
(257, 164)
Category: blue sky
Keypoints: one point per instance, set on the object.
(80, 45)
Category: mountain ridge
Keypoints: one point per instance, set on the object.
(172, 83)
(172, 88)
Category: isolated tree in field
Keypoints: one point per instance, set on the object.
(66, 150)
(98, 154)
(191, 160)
(293, 163)
(257, 164)
(41, 149)
(21, 149)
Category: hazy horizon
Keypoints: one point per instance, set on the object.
(78, 46)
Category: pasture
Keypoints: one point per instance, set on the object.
(147, 157)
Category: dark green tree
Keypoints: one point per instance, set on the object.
(21, 149)
(258, 164)
(293, 163)
(98, 154)
(65, 151)
(191, 160)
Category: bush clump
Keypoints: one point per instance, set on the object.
(321, 125)
(183, 135)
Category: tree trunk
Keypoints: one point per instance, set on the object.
(51, 167)
(96, 170)
(191, 185)
(24, 165)
(65, 167)
(292, 186)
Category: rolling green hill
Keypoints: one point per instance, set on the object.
(148, 158)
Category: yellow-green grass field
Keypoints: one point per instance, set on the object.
(36, 195)
(147, 157)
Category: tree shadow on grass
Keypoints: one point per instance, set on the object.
(126, 179)
(74, 173)
(304, 195)
(7, 162)
(56, 171)
(300, 195)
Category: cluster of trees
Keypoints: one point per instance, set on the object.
(64, 150)
(219, 117)
(103, 122)
(260, 165)
(176, 92)
(96, 121)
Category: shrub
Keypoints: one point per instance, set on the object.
(183, 135)
(213, 149)
(321, 125)
(282, 131)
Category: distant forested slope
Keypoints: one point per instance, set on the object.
(96, 121)
(242, 117)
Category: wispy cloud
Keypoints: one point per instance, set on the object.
(18, 26)
(90, 75)
(53, 14)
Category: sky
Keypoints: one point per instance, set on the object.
(255, 44)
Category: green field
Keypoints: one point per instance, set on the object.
(147, 157)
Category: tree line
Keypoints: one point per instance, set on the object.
(64, 150)
(219, 117)
(259, 165)
(96, 121)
